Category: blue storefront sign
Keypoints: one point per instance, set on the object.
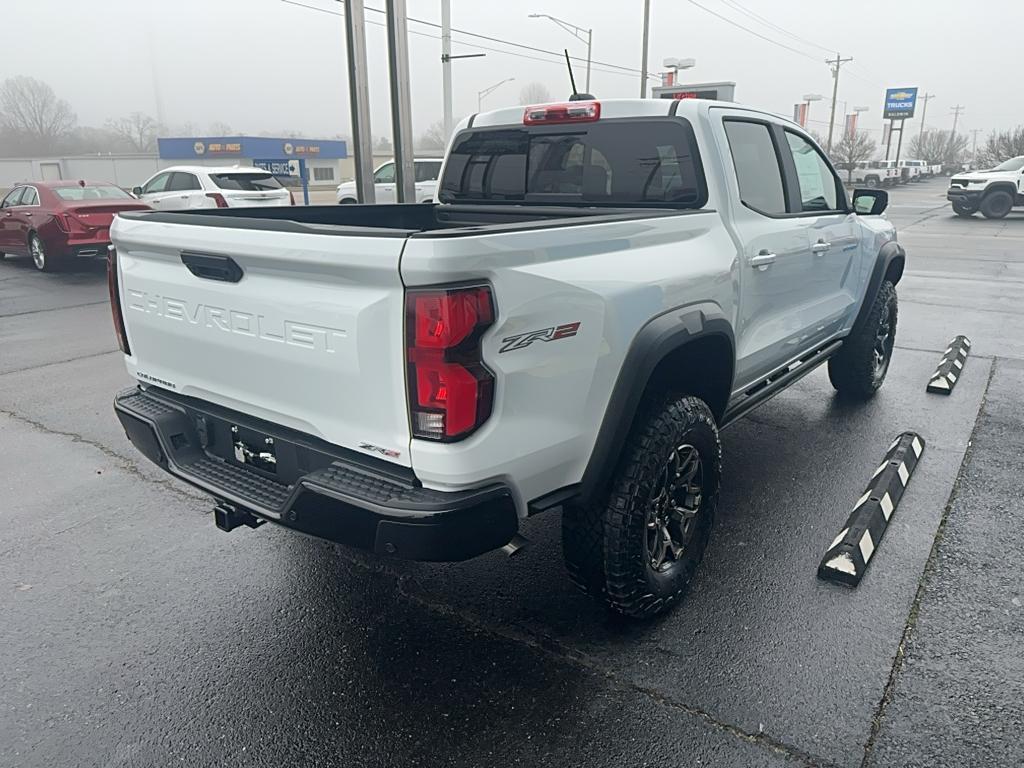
(228, 147)
(900, 103)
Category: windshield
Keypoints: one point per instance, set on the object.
(617, 162)
(92, 192)
(1013, 164)
(248, 182)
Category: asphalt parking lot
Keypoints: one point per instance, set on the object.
(136, 634)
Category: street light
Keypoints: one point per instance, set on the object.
(676, 64)
(808, 98)
(480, 94)
(576, 32)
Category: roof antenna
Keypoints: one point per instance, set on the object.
(576, 96)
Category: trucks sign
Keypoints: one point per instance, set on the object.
(900, 103)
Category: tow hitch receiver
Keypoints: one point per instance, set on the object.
(228, 517)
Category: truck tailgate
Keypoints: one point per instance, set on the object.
(310, 336)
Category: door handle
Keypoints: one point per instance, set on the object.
(820, 247)
(28, 213)
(763, 260)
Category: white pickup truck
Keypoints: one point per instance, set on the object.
(601, 288)
(994, 192)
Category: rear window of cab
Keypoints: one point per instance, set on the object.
(621, 162)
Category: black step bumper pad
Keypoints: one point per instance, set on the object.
(345, 502)
(847, 557)
(951, 367)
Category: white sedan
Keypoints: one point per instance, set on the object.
(384, 180)
(197, 186)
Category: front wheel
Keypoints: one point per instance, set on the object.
(964, 210)
(858, 369)
(996, 205)
(638, 548)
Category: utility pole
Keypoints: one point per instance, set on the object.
(956, 116)
(643, 63)
(835, 64)
(974, 148)
(924, 111)
(446, 64)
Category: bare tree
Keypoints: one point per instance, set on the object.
(852, 149)
(534, 93)
(382, 144)
(30, 109)
(138, 129)
(939, 147)
(1001, 145)
(433, 138)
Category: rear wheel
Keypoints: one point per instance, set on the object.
(871, 181)
(638, 548)
(995, 205)
(964, 209)
(44, 261)
(858, 369)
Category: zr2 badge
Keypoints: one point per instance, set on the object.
(523, 340)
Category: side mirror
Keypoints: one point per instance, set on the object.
(870, 202)
(136, 191)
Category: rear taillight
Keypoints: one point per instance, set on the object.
(67, 223)
(450, 390)
(218, 198)
(291, 197)
(569, 112)
(115, 301)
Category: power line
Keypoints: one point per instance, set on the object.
(757, 17)
(558, 61)
(750, 31)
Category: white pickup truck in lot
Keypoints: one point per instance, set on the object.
(601, 288)
(994, 192)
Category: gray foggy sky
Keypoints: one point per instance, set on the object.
(264, 65)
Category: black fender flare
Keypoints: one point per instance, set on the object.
(1001, 186)
(659, 337)
(888, 265)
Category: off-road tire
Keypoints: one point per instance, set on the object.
(854, 370)
(996, 204)
(606, 544)
(964, 210)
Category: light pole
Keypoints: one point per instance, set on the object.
(643, 52)
(676, 64)
(490, 89)
(575, 31)
(808, 98)
(856, 119)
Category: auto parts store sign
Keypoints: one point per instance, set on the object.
(900, 103)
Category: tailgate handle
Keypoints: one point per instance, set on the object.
(210, 267)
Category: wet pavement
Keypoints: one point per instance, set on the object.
(135, 633)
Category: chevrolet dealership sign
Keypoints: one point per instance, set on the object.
(900, 103)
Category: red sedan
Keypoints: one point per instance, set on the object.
(52, 221)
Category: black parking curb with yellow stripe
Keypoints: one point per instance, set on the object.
(951, 367)
(848, 555)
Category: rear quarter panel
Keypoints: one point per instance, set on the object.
(611, 278)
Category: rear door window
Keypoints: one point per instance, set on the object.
(428, 171)
(29, 197)
(651, 161)
(247, 182)
(183, 182)
(758, 171)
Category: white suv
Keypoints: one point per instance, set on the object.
(384, 183)
(195, 186)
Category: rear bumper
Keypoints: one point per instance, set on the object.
(323, 490)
